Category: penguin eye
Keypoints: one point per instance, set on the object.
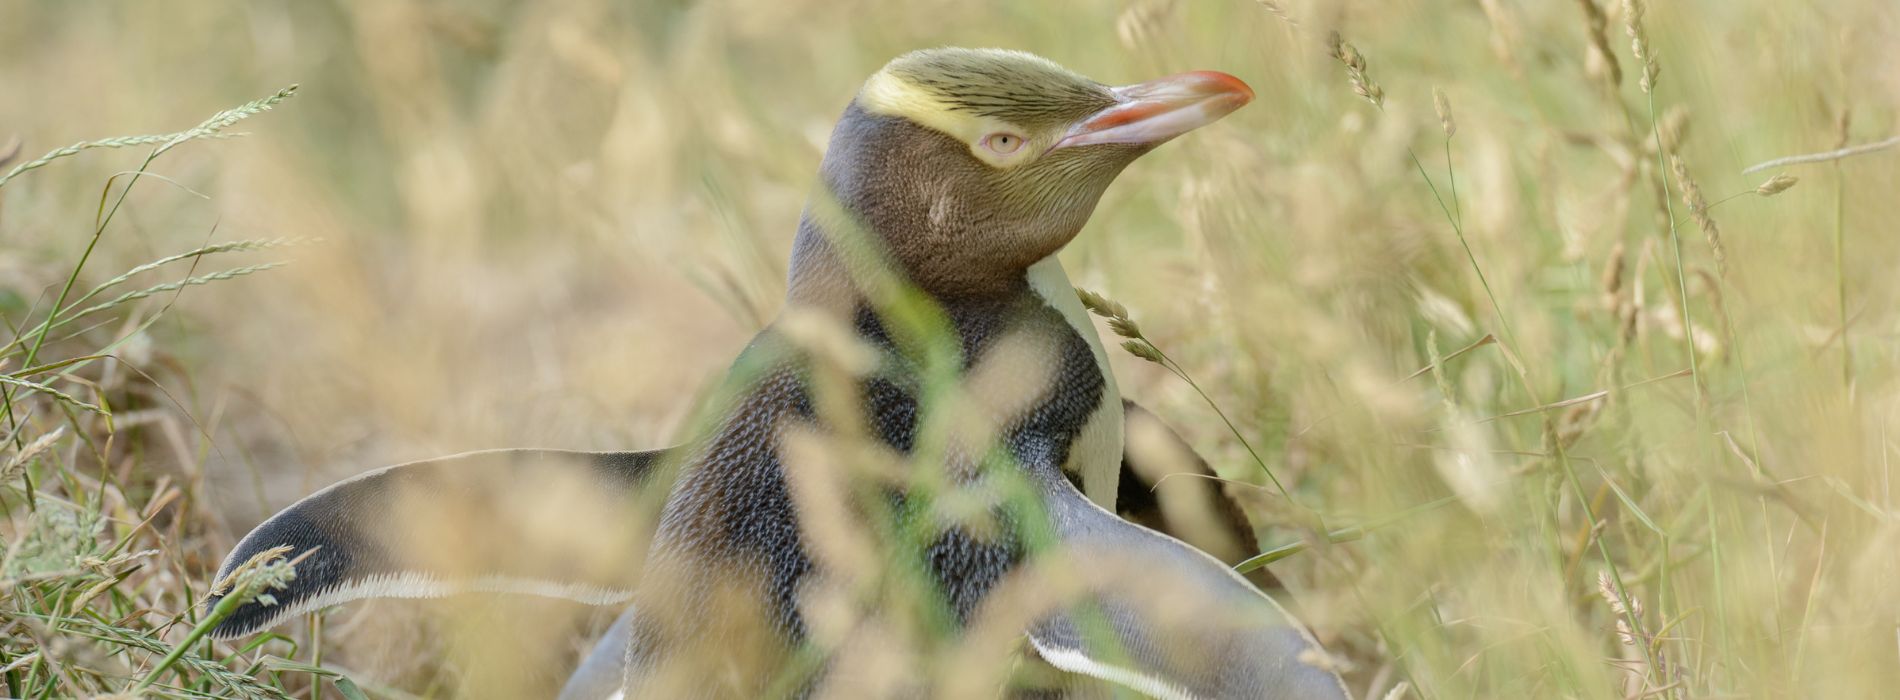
(1003, 143)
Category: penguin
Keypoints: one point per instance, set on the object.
(950, 183)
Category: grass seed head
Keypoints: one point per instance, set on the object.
(1101, 305)
(1143, 21)
(1276, 9)
(1699, 211)
(1613, 273)
(1675, 127)
(1142, 350)
(1776, 185)
(1639, 44)
(257, 576)
(1602, 58)
(1355, 64)
(1437, 360)
(1442, 105)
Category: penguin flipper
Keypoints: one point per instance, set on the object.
(1165, 619)
(553, 523)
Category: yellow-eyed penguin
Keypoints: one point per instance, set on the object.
(963, 172)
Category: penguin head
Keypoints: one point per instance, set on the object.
(970, 165)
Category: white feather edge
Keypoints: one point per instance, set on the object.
(1078, 661)
(420, 585)
(1097, 452)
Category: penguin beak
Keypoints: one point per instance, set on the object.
(1152, 112)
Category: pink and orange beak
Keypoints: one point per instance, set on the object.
(1155, 111)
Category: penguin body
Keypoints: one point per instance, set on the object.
(957, 173)
(731, 530)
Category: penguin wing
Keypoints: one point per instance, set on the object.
(1170, 621)
(553, 523)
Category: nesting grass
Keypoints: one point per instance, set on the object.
(103, 574)
(1442, 281)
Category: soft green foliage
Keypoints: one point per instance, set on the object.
(71, 579)
(1558, 446)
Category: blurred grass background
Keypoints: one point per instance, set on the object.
(555, 223)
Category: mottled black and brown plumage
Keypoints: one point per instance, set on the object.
(959, 173)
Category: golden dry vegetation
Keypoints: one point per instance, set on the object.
(1651, 456)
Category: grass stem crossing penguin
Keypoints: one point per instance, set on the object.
(949, 185)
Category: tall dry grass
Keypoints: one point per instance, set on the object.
(1586, 412)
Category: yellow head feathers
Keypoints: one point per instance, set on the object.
(978, 94)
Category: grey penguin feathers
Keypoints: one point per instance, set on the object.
(980, 388)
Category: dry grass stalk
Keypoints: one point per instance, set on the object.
(1142, 350)
(1576, 420)
(1612, 279)
(1442, 105)
(1438, 372)
(1122, 325)
(1507, 32)
(1607, 589)
(1355, 64)
(56, 154)
(1674, 128)
(1617, 299)
(1143, 21)
(1712, 284)
(1621, 301)
(26, 454)
(264, 572)
(1840, 151)
(1597, 29)
(1276, 9)
(11, 150)
(1699, 212)
(1322, 660)
(1101, 305)
(212, 128)
(1639, 44)
(1776, 185)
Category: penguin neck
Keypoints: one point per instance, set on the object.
(820, 277)
(821, 280)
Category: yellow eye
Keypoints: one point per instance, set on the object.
(1003, 143)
